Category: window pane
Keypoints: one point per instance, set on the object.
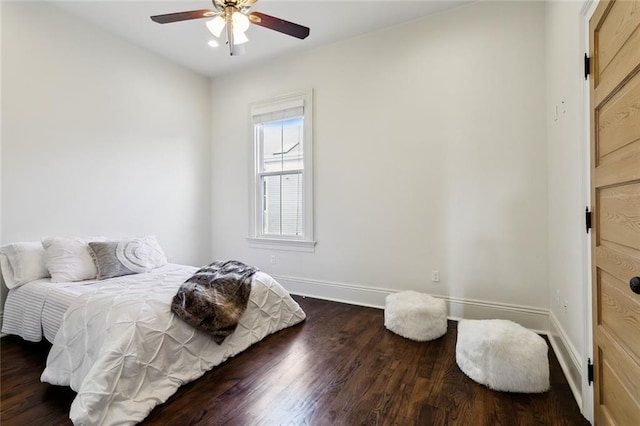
(282, 205)
(281, 145)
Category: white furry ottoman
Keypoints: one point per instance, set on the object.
(416, 316)
(503, 355)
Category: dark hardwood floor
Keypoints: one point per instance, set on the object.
(340, 367)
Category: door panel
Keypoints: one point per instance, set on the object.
(615, 194)
(622, 167)
(620, 24)
(618, 215)
(616, 398)
(619, 120)
(612, 258)
(622, 53)
(619, 312)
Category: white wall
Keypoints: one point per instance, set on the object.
(100, 137)
(568, 185)
(429, 154)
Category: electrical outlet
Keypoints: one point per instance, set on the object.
(272, 259)
(435, 276)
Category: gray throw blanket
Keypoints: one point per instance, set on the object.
(215, 297)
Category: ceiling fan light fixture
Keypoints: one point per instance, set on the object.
(239, 37)
(216, 25)
(240, 21)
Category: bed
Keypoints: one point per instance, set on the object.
(118, 345)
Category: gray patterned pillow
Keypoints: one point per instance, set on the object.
(132, 256)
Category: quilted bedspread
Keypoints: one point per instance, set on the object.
(124, 352)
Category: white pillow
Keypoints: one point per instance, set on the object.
(22, 263)
(69, 259)
(141, 254)
(6, 271)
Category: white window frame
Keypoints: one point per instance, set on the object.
(256, 239)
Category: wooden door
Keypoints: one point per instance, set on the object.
(615, 192)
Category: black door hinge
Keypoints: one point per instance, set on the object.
(589, 371)
(587, 66)
(587, 219)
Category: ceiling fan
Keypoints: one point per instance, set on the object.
(235, 16)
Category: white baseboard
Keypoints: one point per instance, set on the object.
(568, 357)
(530, 317)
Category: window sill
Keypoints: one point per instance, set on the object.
(282, 244)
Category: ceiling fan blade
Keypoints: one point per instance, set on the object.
(183, 16)
(279, 25)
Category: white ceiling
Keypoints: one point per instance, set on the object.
(186, 42)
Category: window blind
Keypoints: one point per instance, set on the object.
(277, 111)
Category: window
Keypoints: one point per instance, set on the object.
(282, 211)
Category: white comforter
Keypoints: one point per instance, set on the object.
(124, 352)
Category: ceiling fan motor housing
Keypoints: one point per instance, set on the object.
(242, 5)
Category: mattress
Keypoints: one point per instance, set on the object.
(36, 309)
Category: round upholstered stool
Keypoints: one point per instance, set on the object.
(503, 356)
(416, 316)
